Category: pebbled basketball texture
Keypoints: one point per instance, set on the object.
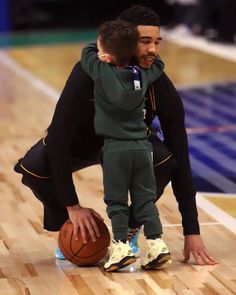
(83, 254)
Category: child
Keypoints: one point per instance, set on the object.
(126, 156)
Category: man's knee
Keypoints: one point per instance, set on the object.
(25, 179)
(54, 217)
(17, 168)
(163, 173)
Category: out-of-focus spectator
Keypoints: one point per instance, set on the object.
(214, 20)
(184, 11)
(26, 15)
(226, 27)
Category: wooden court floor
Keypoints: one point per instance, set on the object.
(31, 78)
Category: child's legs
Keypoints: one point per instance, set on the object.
(143, 194)
(116, 171)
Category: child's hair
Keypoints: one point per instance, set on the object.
(119, 38)
(140, 15)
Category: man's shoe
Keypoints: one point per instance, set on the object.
(120, 256)
(59, 255)
(154, 254)
(133, 234)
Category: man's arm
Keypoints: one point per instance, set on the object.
(73, 112)
(170, 112)
(59, 138)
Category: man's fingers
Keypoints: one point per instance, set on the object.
(84, 219)
(83, 233)
(203, 258)
(209, 259)
(76, 231)
(93, 229)
(198, 258)
(97, 215)
(194, 245)
(186, 256)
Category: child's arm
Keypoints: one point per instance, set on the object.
(155, 71)
(89, 60)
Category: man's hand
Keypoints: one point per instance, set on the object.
(194, 244)
(84, 219)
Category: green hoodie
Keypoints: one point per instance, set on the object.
(119, 108)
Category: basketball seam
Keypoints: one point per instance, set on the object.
(76, 254)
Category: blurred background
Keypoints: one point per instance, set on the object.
(213, 19)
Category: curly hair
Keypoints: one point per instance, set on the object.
(119, 38)
(140, 15)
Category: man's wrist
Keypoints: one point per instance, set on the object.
(73, 207)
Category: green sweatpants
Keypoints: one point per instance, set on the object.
(128, 168)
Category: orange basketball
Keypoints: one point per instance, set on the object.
(83, 254)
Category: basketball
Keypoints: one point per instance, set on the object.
(83, 254)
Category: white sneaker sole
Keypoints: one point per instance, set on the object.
(157, 262)
(121, 264)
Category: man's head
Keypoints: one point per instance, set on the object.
(140, 15)
(117, 40)
(148, 26)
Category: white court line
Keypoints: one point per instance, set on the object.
(201, 224)
(219, 195)
(180, 225)
(221, 50)
(28, 76)
(218, 214)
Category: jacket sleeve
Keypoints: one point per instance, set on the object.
(170, 112)
(61, 132)
(155, 71)
(89, 60)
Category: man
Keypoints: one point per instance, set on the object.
(71, 144)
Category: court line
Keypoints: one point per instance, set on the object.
(218, 214)
(221, 50)
(218, 195)
(201, 224)
(210, 129)
(180, 225)
(213, 211)
(29, 77)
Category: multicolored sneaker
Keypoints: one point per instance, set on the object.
(133, 234)
(154, 254)
(59, 255)
(120, 256)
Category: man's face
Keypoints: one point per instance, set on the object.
(148, 45)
